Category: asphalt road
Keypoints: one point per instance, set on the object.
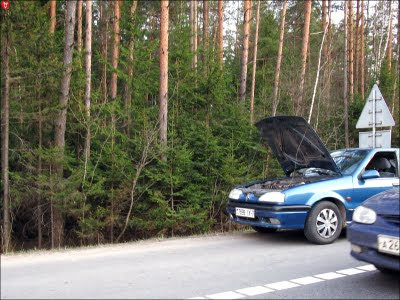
(240, 265)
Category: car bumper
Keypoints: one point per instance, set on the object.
(271, 216)
(364, 240)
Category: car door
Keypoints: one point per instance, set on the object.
(365, 188)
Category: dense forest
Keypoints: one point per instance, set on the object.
(124, 120)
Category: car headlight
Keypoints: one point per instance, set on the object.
(273, 197)
(235, 194)
(364, 215)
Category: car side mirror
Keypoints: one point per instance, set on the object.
(370, 174)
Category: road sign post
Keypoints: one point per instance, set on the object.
(375, 114)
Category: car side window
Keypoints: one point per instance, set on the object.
(385, 163)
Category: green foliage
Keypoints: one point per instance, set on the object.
(211, 145)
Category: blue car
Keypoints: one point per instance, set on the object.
(375, 231)
(321, 189)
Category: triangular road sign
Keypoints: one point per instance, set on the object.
(375, 103)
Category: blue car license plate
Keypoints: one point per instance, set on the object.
(245, 212)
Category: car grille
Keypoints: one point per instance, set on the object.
(256, 219)
(393, 219)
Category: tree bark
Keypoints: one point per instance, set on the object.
(39, 206)
(396, 80)
(191, 17)
(205, 35)
(253, 77)
(163, 101)
(5, 110)
(128, 91)
(53, 7)
(279, 60)
(79, 29)
(362, 50)
(88, 71)
(245, 51)
(345, 81)
(324, 24)
(115, 50)
(220, 33)
(61, 122)
(389, 48)
(304, 50)
(104, 47)
(356, 47)
(193, 3)
(351, 51)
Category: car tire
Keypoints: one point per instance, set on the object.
(386, 270)
(264, 229)
(324, 223)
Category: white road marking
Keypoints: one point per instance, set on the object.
(367, 268)
(282, 285)
(351, 271)
(329, 276)
(225, 295)
(255, 290)
(306, 280)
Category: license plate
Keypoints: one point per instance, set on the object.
(388, 244)
(245, 212)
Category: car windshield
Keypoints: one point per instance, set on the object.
(348, 160)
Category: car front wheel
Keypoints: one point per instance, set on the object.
(323, 224)
(264, 229)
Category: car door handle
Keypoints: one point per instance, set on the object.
(395, 184)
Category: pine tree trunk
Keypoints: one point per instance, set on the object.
(345, 81)
(115, 50)
(356, 47)
(79, 29)
(128, 91)
(396, 81)
(325, 49)
(53, 7)
(253, 76)
(61, 121)
(113, 94)
(194, 28)
(304, 50)
(245, 51)
(220, 33)
(351, 51)
(39, 205)
(163, 104)
(362, 54)
(191, 17)
(205, 35)
(389, 48)
(88, 71)
(104, 47)
(328, 68)
(5, 110)
(279, 60)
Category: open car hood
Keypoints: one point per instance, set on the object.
(295, 144)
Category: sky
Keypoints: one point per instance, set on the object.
(230, 13)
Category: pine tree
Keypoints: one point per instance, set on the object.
(163, 98)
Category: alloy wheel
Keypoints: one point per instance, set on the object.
(327, 223)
